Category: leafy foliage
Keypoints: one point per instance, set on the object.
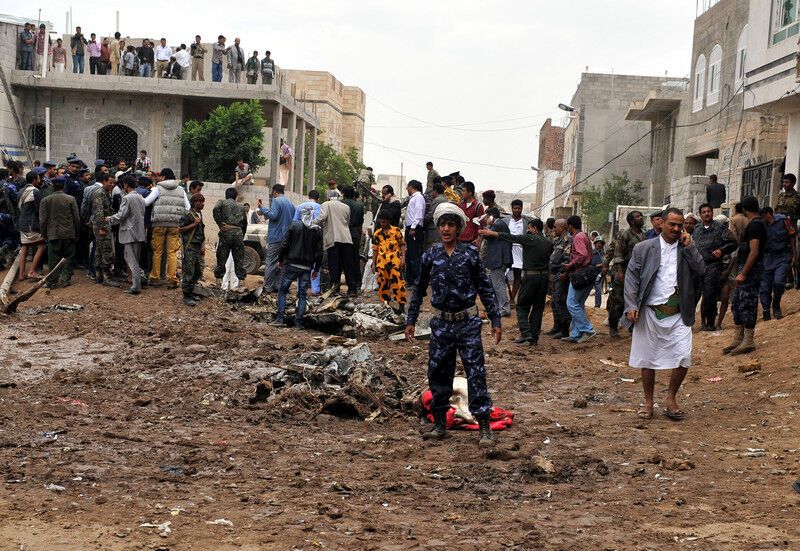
(341, 167)
(598, 202)
(229, 133)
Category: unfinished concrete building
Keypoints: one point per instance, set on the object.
(706, 129)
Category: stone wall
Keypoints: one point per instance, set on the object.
(603, 101)
(214, 191)
(76, 117)
(340, 108)
(10, 140)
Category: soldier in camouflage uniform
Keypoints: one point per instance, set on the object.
(456, 276)
(229, 216)
(103, 237)
(559, 283)
(622, 251)
(193, 235)
(789, 205)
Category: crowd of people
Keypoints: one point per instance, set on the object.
(119, 222)
(117, 56)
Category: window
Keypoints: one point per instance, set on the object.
(704, 5)
(37, 135)
(741, 57)
(117, 141)
(784, 20)
(699, 83)
(714, 75)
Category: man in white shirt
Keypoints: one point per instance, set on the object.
(660, 302)
(184, 59)
(516, 226)
(415, 233)
(163, 53)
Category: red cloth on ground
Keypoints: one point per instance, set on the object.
(499, 418)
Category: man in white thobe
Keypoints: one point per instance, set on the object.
(662, 286)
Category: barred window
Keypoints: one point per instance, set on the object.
(37, 135)
(117, 141)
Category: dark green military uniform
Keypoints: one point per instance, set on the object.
(536, 251)
(103, 244)
(558, 287)
(193, 247)
(789, 205)
(229, 216)
(622, 251)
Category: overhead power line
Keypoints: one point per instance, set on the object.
(426, 155)
(659, 126)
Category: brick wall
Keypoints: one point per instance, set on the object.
(551, 146)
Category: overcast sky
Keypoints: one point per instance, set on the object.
(458, 63)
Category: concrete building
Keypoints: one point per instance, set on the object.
(340, 108)
(550, 165)
(112, 117)
(700, 127)
(770, 83)
(598, 131)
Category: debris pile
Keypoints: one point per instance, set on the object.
(340, 381)
(334, 314)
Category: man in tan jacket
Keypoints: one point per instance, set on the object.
(334, 217)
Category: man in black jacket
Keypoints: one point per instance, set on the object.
(300, 256)
(714, 241)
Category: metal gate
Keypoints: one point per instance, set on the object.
(115, 142)
(757, 181)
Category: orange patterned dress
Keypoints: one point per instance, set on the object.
(387, 246)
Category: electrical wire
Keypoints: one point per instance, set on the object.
(447, 159)
(659, 126)
(431, 124)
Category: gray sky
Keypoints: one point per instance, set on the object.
(445, 62)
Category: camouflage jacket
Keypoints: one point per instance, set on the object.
(623, 247)
(230, 213)
(560, 257)
(789, 204)
(608, 256)
(101, 207)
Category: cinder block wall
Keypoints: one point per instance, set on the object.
(214, 192)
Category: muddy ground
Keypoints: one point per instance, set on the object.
(135, 411)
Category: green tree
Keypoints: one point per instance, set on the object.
(598, 202)
(341, 167)
(230, 132)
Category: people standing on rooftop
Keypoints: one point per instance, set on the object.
(198, 52)
(236, 61)
(218, 52)
(77, 45)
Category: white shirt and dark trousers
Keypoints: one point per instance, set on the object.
(415, 237)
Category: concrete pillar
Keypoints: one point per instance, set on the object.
(300, 158)
(793, 144)
(274, 156)
(312, 159)
(290, 139)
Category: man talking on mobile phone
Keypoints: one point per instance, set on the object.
(663, 282)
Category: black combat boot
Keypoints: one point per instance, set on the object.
(613, 328)
(439, 429)
(554, 330)
(776, 311)
(99, 277)
(487, 438)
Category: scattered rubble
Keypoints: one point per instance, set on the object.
(339, 381)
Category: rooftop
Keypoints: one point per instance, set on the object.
(219, 91)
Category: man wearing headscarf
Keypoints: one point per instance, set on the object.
(456, 275)
(300, 256)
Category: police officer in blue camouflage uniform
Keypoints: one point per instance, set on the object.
(456, 276)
